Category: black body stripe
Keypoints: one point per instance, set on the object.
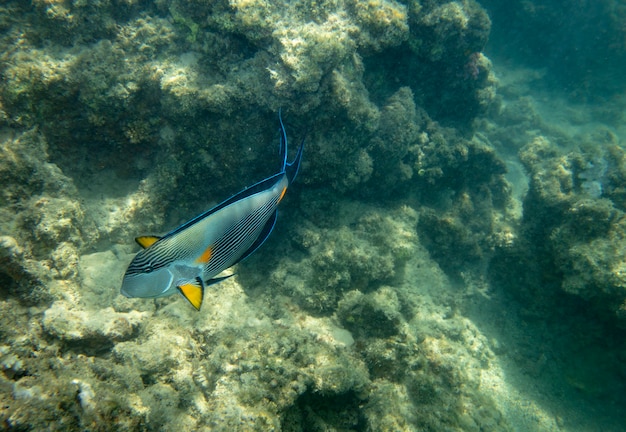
(227, 247)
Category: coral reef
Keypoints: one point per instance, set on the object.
(337, 259)
(125, 118)
(447, 37)
(573, 218)
(41, 219)
(133, 83)
(467, 208)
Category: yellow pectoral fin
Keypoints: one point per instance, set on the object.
(205, 257)
(147, 241)
(193, 292)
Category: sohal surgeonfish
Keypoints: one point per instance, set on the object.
(191, 256)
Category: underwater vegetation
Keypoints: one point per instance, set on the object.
(573, 228)
(123, 118)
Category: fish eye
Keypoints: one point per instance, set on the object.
(150, 269)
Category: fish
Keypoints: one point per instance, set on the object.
(191, 257)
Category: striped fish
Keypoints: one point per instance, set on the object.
(191, 257)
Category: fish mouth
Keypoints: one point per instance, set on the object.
(124, 291)
(145, 286)
(127, 294)
(128, 288)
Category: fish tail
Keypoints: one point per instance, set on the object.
(290, 168)
(283, 139)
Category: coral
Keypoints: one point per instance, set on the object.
(573, 223)
(451, 242)
(448, 38)
(153, 73)
(398, 133)
(21, 275)
(341, 259)
(311, 50)
(91, 331)
(448, 30)
(128, 118)
(467, 200)
(415, 371)
(10, 363)
(25, 170)
(381, 23)
(386, 394)
(376, 314)
(45, 235)
(592, 176)
(350, 94)
(50, 222)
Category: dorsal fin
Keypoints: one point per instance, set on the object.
(147, 241)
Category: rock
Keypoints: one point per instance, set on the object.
(70, 324)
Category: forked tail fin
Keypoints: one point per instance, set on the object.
(291, 169)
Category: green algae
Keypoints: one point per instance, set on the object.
(582, 230)
(192, 27)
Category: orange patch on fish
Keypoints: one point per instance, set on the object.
(206, 256)
(282, 194)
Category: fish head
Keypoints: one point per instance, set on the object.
(148, 282)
